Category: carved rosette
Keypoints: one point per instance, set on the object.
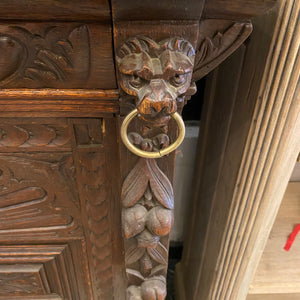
(155, 77)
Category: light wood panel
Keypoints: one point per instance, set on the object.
(240, 187)
(279, 270)
(274, 297)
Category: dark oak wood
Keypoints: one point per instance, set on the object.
(68, 77)
(69, 10)
(165, 10)
(238, 9)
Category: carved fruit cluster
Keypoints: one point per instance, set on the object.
(147, 198)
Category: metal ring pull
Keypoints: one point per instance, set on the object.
(146, 154)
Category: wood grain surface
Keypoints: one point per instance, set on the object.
(278, 271)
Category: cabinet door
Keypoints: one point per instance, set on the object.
(56, 199)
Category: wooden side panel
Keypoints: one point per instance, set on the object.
(278, 271)
(241, 187)
(274, 297)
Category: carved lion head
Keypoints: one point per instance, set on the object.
(158, 75)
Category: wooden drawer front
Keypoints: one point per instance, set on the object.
(56, 55)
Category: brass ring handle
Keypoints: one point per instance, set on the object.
(159, 153)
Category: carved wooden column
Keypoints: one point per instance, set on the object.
(158, 59)
(157, 78)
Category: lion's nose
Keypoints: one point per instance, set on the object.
(158, 88)
(158, 99)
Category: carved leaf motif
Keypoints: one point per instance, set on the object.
(135, 184)
(205, 50)
(26, 196)
(213, 50)
(33, 135)
(159, 254)
(134, 253)
(134, 276)
(40, 56)
(159, 270)
(12, 136)
(147, 239)
(160, 185)
(43, 135)
(59, 59)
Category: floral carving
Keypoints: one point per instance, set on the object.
(35, 58)
(148, 202)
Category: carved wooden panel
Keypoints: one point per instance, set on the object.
(55, 188)
(95, 156)
(55, 55)
(37, 270)
(38, 196)
(18, 135)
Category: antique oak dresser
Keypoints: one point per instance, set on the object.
(82, 216)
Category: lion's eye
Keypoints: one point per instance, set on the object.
(136, 81)
(178, 79)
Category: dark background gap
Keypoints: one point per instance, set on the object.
(191, 112)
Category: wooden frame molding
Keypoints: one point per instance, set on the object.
(244, 180)
(58, 103)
